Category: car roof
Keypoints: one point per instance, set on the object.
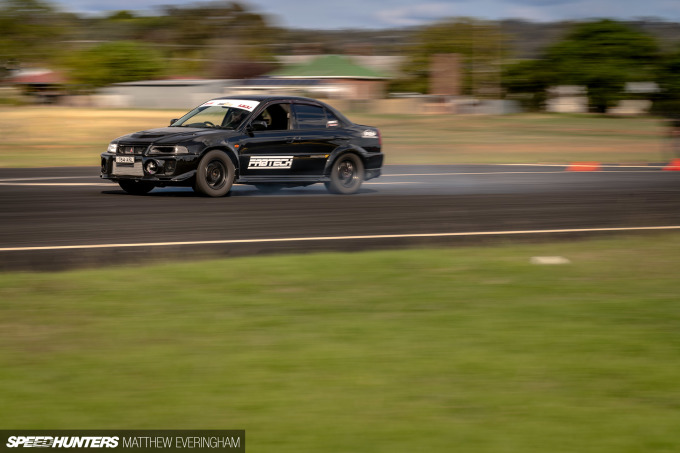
(262, 98)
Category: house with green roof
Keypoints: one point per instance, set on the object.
(345, 78)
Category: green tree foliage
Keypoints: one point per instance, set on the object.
(480, 44)
(28, 31)
(206, 39)
(667, 102)
(121, 16)
(528, 81)
(602, 56)
(114, 62)
(209, 24)
(199, 39)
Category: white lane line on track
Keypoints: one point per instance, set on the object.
(515, 173)
(391, 183)
(567, 165)
(470, 173)
(336, 238)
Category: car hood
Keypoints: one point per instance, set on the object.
(171, 134)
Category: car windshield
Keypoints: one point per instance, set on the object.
(213, 116)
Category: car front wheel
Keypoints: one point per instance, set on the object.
(347, 174)
(136, 187)
(215, 174)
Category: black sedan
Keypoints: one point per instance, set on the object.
(267, 141)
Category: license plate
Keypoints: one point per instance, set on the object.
(125, 159)
(128, 169)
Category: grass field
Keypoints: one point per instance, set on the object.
(58, 136)
(469, 349)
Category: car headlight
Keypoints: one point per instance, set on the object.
(176, 149)
(113, 147)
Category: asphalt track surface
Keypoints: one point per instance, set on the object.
(58, 218)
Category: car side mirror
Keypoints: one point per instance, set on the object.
(173, 121)
(258, 126)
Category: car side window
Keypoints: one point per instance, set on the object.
(310, 116)
(277, 117)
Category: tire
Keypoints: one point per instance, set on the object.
(214, 175)
(136, 187)
(347, 174)
(268, 188)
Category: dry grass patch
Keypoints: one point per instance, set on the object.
(59, 136)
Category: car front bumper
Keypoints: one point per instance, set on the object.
(161, 169)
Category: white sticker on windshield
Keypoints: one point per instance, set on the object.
(238, 103)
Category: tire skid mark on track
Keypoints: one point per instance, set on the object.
(115, 186)
(35, 181)
(48, 178)
(60, 184)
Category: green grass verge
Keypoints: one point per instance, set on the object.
(467, 349)
(59, 136)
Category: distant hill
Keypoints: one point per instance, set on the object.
(528, 39)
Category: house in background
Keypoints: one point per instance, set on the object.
(574, 99)
(567, 99)
(43, 86)
(323, 76)
(333, 76)
(162, 94)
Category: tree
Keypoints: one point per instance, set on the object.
(528, 82)
(480, 44)
(29, 30)
(220, 39)
(114, 62)
(602, 56)
(232, 60)
(667, 101)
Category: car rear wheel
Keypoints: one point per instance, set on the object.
(215, 174)
(136, 187)
(347, 174)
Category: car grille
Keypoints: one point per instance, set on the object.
(136, 150)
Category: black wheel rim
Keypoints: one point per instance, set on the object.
(347, 173)
(216, 174)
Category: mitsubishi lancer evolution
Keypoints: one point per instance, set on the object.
(270, 142)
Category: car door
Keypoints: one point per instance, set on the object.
(269, 152)
(317, 133)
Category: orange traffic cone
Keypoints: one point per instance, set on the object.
(674, 165)
(584, 166)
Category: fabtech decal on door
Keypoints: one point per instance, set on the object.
(256, 162)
